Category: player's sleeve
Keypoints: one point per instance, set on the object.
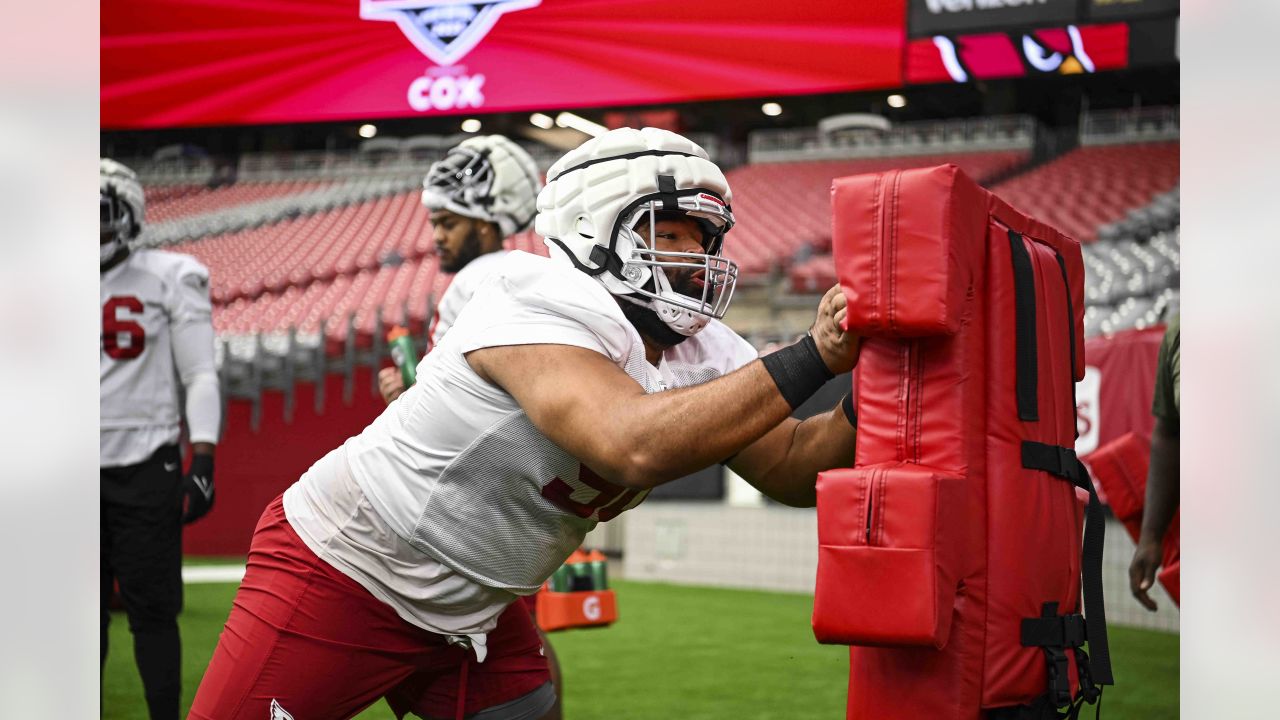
(553, 310)
(1164, 403)
(191, 326)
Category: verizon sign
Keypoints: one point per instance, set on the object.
(942, 17)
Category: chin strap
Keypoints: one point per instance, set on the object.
(599, 256)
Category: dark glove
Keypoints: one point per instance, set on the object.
(197, 487)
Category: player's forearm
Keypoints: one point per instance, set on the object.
(819, 443)
(667, 435)
(1162, 485)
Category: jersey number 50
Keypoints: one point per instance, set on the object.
(610, 500)
(113, 327)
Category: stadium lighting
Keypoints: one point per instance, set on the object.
(543, 121)
(771, 109)
(897, 101)
(471, 125)
(581, 124)
(367, 130)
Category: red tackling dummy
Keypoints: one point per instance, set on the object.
(1120, 467)
(950, 555)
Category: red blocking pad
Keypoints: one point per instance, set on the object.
(942, 548)
(1120, 469)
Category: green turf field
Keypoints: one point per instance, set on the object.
(680, 652)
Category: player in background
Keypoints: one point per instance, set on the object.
(567, 388)
(1164, 472)
(482, 192)
(157, 347)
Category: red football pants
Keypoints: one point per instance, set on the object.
(305, 637)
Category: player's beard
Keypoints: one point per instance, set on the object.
(647, 322)
(469, 250)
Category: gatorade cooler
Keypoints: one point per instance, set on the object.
(577, 594)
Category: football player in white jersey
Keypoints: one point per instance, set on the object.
(483, 191)
(566, 389)
(156, 347)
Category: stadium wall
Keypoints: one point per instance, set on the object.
(776, 548)
(255, 467)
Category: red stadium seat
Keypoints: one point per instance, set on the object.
(1091, 186)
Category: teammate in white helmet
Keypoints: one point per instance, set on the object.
(156, 347)
(567, 388)
(482, 192)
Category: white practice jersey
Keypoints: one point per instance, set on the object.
(148, 300)
(455, 479)
(460, 290)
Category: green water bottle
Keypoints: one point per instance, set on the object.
(560, 579)
(599, 565)
(403, 354)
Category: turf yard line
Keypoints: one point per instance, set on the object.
(213, 574)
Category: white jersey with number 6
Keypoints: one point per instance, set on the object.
(454, 480)
(156, 334)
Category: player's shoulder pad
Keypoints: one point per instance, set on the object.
(717, 345)
(481, 266)
(172, 266)
(468, 279)
(546, 286)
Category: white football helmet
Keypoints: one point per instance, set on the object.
(488, 178)
(597, 195)
(122, 207)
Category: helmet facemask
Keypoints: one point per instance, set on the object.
(465, 178)
(116, 225)
(685, 289)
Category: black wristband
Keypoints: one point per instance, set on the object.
(798, 370)
(846, 404)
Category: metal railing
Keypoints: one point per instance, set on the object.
(379, 157)
(1015, 132)
(1147, 124)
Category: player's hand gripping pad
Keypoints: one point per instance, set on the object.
(960, 520)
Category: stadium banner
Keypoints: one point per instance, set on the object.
(1065, 50)
(941, 17)
(1119, 382)
(171, 63)
(1129, 9)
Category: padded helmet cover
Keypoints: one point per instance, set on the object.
(488, 178)
(597, 194)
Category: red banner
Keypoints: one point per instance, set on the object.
(174, 63)
(1115, 396)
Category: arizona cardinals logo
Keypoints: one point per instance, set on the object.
(279, 713)
(444, 30)
(1067, 50)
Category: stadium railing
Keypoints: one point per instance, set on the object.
(1131, 125)
(1016, 132)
